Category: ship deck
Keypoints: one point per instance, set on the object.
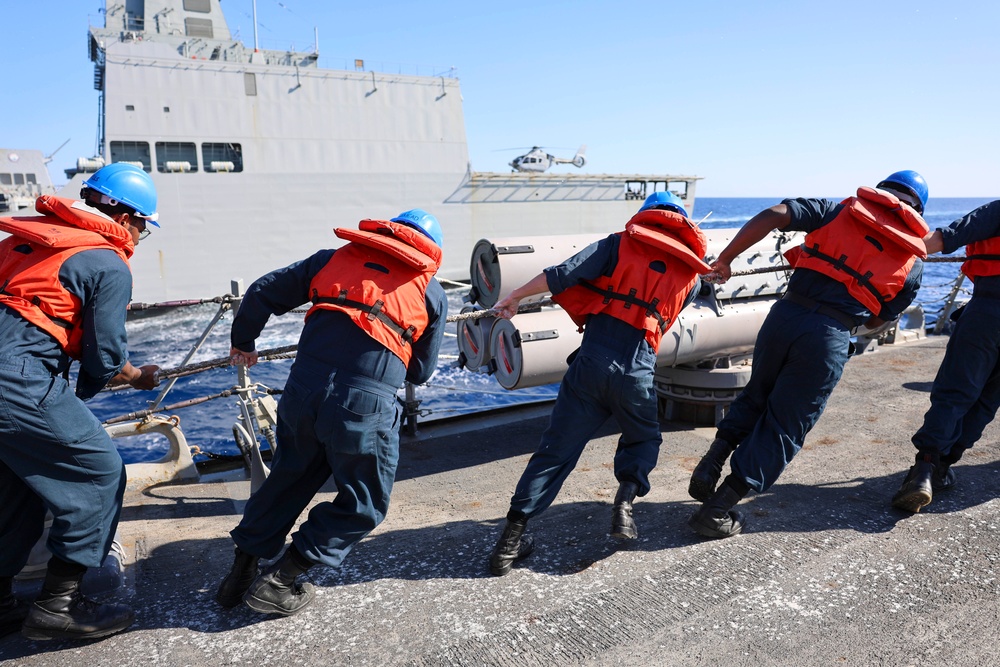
(827, 572)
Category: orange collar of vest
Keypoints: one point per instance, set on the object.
(674, 224)
(400, 241)
(78, 214)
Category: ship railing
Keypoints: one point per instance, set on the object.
(258, 409)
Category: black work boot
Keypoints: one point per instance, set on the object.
(241, 575)
(916, 491)
(512, 546)
(12, 611)
(276, 591)
(706, 474)
(717, 518)
(943, 478)
(622, 523)
(61, 611)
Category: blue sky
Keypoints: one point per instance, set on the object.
(770, 98)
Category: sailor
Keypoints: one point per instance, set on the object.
(377, 318)
(624, 292)
(65, 285)
(858, 265)
(966, 391)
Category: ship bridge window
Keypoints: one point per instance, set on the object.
(222, 157)
(176, 156)
(640, 189)
(198, 28)
(635, 190)
(679, 188)
(18, 179)
(136, 152)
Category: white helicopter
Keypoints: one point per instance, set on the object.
(537, 160)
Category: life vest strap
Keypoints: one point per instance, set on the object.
(36, 302)
(820, 308)
(630, 299)
(864, 279)
(373, 312)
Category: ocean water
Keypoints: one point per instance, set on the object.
(166, 339)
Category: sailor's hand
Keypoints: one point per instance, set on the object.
(238, 357)
(506, 307)
(148, 378)
(721, 272)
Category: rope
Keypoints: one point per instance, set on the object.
(490, 312)
(785, 267)
(182, 371)
(140, 414)
(138, 305)
(763, 269)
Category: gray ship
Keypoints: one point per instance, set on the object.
(24, 176)
(262, 153)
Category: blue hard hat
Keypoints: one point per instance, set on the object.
(910, 181)
(126, 184)
(423, 222)
(667, 200)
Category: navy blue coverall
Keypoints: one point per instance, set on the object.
(338, 418)
(54, 453)
(798, 359)
(966, 392)
(612, 374)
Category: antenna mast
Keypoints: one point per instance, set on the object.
(255, 25)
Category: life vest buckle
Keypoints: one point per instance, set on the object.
(374, 311)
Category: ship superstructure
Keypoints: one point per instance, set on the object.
(258, 154)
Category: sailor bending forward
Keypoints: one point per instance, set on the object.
(624, 291)
(858, 264)
(966, 391)
(65, 285)
(377, 319)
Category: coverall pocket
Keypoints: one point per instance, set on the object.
(52, 392)
(593, 363)
(290, 406)
(350, 421)
(64, 417)
(7, 423)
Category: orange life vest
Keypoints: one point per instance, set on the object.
(31, 257)
(379, 280)
(870, 247)
(659, 258)
(983, 258)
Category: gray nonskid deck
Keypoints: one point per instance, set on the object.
(828, 572)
